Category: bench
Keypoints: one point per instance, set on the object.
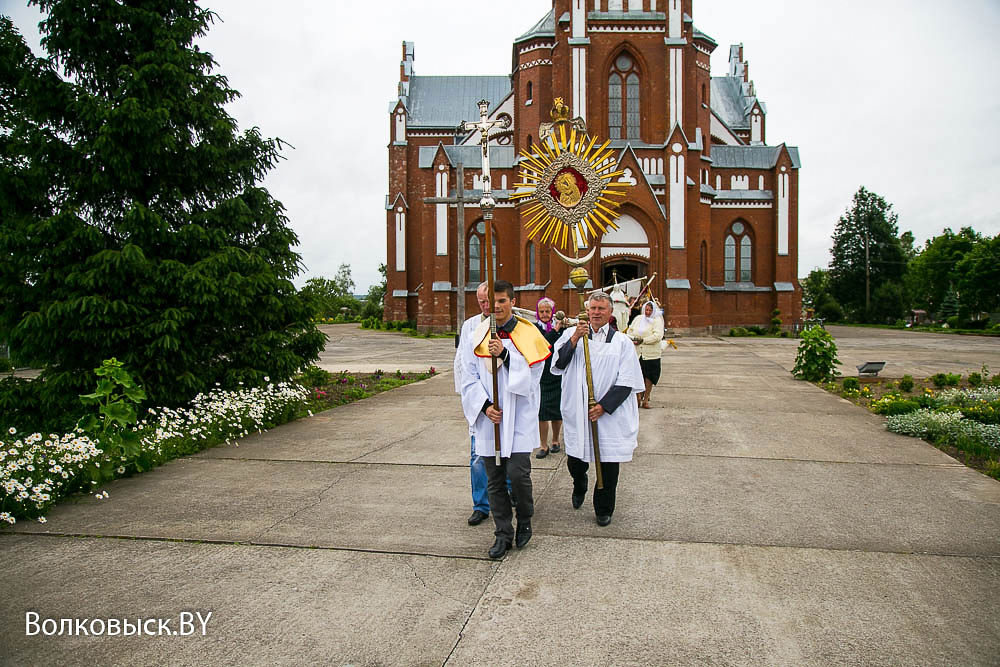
(870, 368)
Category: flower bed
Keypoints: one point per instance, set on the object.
(962, 420)
(37, 470)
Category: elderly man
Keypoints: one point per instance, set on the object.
(477, 469)
(617, 378)
(519, 350)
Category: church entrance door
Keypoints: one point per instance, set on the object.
(625, 269)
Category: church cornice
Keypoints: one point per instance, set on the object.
(534, 63)
(533, 47)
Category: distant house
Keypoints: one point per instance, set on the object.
(918, 318)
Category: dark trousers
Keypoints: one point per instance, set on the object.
(604, 499)
(518, 469)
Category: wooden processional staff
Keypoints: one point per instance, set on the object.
(567, 186)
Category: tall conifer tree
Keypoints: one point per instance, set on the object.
(134, 225)
(870, 221)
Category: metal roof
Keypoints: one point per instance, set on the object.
(445, 101)
(501, 157)
(750, 157)
(698, 34)
(745, 195)
(544, 28)
(728, 102)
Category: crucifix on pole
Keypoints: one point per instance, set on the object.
(489, 130)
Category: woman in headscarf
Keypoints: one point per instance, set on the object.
(551, 385)
(646, 331)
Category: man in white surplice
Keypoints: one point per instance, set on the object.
(617, 379)
(520, 351)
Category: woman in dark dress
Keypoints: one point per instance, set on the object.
(548, 408)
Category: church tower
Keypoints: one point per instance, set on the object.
(714, 209)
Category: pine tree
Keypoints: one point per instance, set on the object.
(133, 217)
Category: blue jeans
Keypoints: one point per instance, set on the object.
(477, 473)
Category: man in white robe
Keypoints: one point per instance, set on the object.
(619, 309)
(477, 468)
(520, 351)
(617, 379)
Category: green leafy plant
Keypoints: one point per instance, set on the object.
(894, 405)
(775, 321)
(975, 379)
(946, 379)
(906, 383)
(117, 397)
(816, 358)
(852, 383)
(314, 376)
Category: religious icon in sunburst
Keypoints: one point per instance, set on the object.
(569, 185)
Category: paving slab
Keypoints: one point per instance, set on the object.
(270, 606)
(763, 521)
(747, 432)
(605, 601)
(351, 348)
(398, 509)
(785, 398)
(948, 510)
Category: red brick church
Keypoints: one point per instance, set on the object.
(713, 211)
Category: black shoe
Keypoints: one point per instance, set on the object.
(477, 518)
(578, 499)
(499, 548)
(523, 533)
(603, 519)
(542, 453)
(554, 448)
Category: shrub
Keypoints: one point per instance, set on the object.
(953, 322)
(894, 405)
(852, 383)
(975, 379)
(314, 376)
(984, 413)
(906, 383)
(816, 358)
(949, 428)
(830, 311)
(738, 332)
(946, 379)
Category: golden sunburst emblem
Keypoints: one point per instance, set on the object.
(568, 185)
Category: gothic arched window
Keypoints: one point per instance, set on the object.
(529, 257)
(623, 98)
(741, 268)
(477, 239)
(527, 97)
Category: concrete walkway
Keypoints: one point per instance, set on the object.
(763, 522)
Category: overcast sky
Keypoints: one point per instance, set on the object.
(894, 95)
